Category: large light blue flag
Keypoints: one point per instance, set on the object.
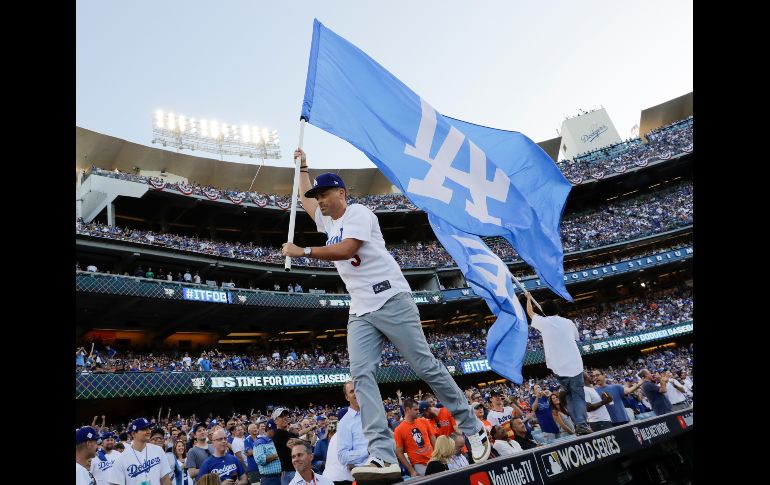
(436, 165)
(530, 169)
(490, 278)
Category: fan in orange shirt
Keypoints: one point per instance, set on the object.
(443, 422)
(415, 437)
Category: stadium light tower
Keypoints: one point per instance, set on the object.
(211, 136)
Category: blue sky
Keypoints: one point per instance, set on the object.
(513, 65)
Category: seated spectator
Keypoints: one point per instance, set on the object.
(503, 445)
(443, 451)
(460, 458)
(522, 436)
(561, 415)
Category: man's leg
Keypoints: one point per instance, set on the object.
(577, 396)
(399, 320)
(365, 350)
(575, 403)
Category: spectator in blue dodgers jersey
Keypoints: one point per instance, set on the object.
(229, 468)
(141, 463)
(562, 356)
(85, 451)
(618, 393)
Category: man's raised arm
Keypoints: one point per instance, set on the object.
(309, 204)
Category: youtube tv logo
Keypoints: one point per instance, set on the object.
(480, 478)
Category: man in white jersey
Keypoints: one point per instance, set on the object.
(142, 463)
(101, 465)
(85, 450)
(381, 306)
(676, 393)
(500, 415)
(562, 356)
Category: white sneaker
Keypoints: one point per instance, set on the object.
(376, 469)
(480, 446)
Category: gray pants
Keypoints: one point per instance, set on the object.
(398, 321)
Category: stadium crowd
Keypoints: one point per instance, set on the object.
(663, 143)
(655, 309)
(323, 440)
(613, 222)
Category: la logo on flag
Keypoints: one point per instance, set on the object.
(441, 169)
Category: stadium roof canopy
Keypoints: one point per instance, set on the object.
(109, 153)
(665, 113)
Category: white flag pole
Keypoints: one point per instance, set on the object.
(294, 192)
(524, 290)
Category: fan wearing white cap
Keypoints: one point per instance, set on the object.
(142, 463)
(281, 438)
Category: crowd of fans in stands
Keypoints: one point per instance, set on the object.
(655, 309)
(614, 222)
(517, 418)
(663, 143)
(193, 277)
